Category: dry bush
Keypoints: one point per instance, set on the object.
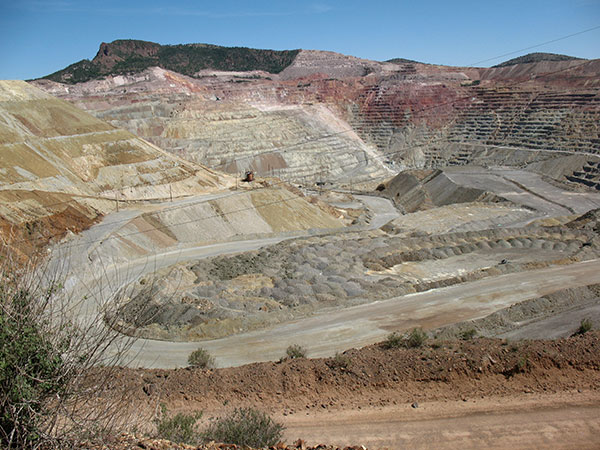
(585, 326)
(52, 343)
(201, 359)
(246, 427)
(340, 361)
(178, 428)
(413, 339)
(295, 351)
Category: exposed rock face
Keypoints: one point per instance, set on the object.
(133, 56)
(59, 162)
(348, 119)
(110, 54)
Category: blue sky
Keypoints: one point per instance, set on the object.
(38, 37)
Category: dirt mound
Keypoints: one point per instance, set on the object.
(588, 221)
(221, 296)
(424, 189)
(375, 376)
(418, 190)
(131, 442)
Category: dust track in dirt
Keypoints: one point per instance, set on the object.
(468, 393)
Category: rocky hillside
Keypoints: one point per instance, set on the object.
(329, 117)
(133, 56)
(60, 168)
(537, 57)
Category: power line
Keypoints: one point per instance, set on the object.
(536, 46)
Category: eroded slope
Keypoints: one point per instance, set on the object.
(60, 162)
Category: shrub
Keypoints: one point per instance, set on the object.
(584, 326)
(340, 361)
(295, 351)
(245, 426)
(523, 364)
(394, 340)
(415, 338)
(178, 428)
(201, 358)
(53, 362)
(468, 334)
(31, 370)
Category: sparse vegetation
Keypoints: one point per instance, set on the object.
(179, 428)
(246, 427)
(537, 57)
(416, 338)
(201, 359)
(186, 59)
(523, 363)
(31, 370)
(468, 334)
(413, 339)
(340, 361)
(394, 340)
(584, 326)
(48, 363)
(295, 351)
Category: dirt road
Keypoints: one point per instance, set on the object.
(337, 330)
(558, 421)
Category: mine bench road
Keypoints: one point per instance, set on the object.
(327, 331)
(340, 329)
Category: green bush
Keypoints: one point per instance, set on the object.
(394, 340)
(467, 335)
(340, 361)
(53, 365)
(415, 338)
(245, 426)
(201, 358)
(31, 370)
(584, 326)
(295, 351)
(178, 428)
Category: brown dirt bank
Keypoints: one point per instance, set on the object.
(374, 376)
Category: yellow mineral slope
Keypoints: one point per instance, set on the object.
(61, 168)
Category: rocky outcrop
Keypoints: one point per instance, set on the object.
(127, 56)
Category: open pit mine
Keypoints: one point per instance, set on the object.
(308, 197)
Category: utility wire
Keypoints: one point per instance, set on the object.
(536, 46)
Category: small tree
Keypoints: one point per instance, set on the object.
(31, 370)
(201, 359)
(246, 427)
